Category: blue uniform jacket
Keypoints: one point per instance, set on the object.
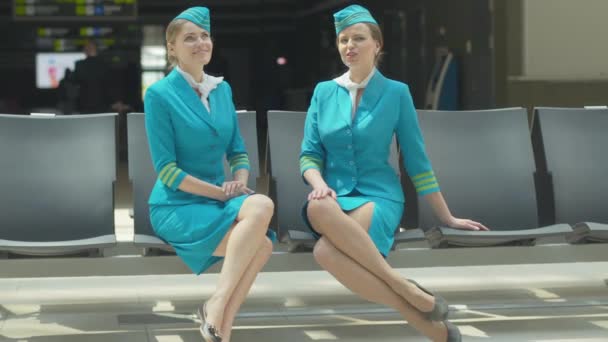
(185, 138)
(353, 154)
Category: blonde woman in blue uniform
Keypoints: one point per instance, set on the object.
(191, 124)
(357, 202)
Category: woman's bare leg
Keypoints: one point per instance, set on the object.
(239, 247)
(348, 236)
(241, 291)
(368, 286)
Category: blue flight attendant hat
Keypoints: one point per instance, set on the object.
(197, 15)
(351, 15)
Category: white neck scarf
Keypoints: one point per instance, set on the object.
(205, 87)
(352, 87)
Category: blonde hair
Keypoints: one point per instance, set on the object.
(173, 29)
(377, 36)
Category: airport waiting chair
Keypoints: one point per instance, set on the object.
(286, 130)
(143, 176)
(485, 168)
(57, 186)
(571, 145)
(249, 132)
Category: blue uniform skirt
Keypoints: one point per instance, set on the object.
(196, 230)
(385, 219)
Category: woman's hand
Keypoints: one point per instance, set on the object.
(321, 193)
(465, 224)
(235, 188)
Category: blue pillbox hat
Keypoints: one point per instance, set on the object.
(197, 15)
(351, 15)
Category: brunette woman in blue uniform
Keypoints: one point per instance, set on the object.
(192, 124)
(357, 202)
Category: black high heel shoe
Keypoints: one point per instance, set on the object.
(453, 332)
(208, 331)
(440, 309)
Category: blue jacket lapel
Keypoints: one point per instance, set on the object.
(344, 104)
(188, 95)
(372, 94)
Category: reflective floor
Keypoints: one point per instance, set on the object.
(487, 303)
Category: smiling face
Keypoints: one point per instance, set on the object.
(191, 46)
(358, 48)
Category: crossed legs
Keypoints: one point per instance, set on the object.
(348, 253)
(246, 250)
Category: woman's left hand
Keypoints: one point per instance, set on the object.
(465, 224)
(235, 188)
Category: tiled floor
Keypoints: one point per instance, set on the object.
(280, 308)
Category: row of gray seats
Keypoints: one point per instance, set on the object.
(58, 180)
(58, 176)
(485, 164)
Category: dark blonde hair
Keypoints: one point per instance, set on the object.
(376, 34)
(171, 32)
